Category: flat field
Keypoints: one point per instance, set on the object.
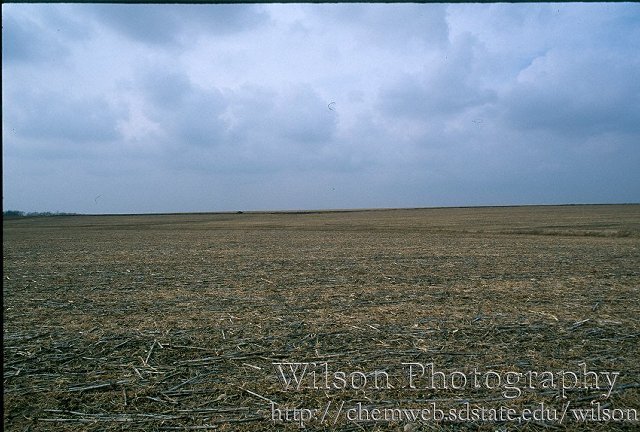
(365, 320)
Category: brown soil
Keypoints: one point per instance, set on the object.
(174, 322)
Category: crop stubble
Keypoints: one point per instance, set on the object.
(155, 322)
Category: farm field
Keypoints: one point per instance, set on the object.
(206, 321)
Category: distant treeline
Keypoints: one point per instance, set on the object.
(14, 214)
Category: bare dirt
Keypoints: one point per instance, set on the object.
(175, 322)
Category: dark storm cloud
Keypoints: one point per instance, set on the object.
(169, 24)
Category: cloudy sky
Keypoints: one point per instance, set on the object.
(171, 108)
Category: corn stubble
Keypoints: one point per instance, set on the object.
(174, 322)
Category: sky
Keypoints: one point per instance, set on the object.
(193, 108)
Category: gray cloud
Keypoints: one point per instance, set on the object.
(251, 129)
(176, 24)
(397, 28)
(447, 86)
(187, 114)
(38, 37)
(20, 44)
(576, 94)
(246, 129)
(59, 117)
(302, 117)
(223, 107)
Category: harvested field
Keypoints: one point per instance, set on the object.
(175, 322)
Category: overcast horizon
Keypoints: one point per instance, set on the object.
(156, 108)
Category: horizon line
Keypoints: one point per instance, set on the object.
(311, 211)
